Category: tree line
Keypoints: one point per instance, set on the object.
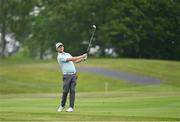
(131, 28)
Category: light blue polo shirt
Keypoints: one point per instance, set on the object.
(66, 66)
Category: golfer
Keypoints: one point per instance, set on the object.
(65, 61)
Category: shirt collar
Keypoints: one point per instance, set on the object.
(62, 53)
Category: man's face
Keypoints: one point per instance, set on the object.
(60, 49)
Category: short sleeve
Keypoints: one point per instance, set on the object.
(61, 58)
(69, 55)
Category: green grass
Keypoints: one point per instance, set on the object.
(45, 77)
(30, 91)
(165, 70)
(112, 106)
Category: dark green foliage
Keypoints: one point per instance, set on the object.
(134, 28)
(15, 20)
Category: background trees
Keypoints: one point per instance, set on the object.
(138, 28)
(14, 22)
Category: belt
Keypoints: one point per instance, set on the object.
(69, 73)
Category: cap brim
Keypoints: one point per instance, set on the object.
(59, 46)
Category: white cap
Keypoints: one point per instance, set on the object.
(59, 44)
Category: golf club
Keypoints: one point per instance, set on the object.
(94, 29)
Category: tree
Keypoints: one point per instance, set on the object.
(133, 28)
(14, 19)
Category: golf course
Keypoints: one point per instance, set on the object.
(30, 90)
(89, 60)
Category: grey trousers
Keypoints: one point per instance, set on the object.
(69, 85)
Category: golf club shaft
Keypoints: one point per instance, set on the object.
(91, 40)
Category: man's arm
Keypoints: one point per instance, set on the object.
(77, 58)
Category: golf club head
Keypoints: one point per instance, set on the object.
(94, 26)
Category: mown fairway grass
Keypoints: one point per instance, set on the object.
(92, 106)
(30, 91)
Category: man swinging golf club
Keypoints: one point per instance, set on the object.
(66, 62)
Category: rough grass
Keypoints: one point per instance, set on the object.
(164, 70)
(45, 77)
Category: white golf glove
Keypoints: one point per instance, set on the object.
(85, 58)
